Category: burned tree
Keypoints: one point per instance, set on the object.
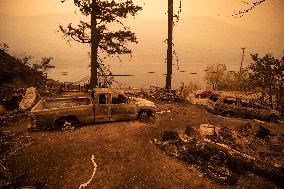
(215, 74)
(4, 47)
(170, 45)
(267, 75)
(44, 65)
(98, 33)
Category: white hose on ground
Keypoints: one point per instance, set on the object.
(94, 172)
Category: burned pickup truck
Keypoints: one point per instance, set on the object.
(102, 105)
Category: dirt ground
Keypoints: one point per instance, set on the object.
(124, 152)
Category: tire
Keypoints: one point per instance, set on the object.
(144, 116)
(66, 123)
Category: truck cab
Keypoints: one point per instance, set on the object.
(114, 105)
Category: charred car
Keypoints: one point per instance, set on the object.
(203, 94)
(238, 106)
(103, 105)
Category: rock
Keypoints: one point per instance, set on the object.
(29, 99)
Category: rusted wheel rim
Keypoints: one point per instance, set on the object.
(67, 124)
(144, 116)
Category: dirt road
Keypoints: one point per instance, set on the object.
(124, 153)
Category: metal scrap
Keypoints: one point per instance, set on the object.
(29, 99)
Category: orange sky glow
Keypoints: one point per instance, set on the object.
(268, 15)
(265, 20)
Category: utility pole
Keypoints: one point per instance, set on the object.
(241, 68)
(243, 49)
(170, 45)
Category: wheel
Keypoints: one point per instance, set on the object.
(228, 114)
(66, 123)
(144, 116)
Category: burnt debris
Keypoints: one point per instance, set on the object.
(226, 154)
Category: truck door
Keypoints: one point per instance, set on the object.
(261, 111)
(230, 104)
(102, 107)
(246, 110)
(121, 109)
(84, 111)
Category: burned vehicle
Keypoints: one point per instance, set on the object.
(203, 94)
(103, 105)
(239, 106)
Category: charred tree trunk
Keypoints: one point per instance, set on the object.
(270, 93)
(94, 47)
(170, 46)
(280, 95)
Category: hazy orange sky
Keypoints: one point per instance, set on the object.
(270, 14)
(205, 24)
(154, 9)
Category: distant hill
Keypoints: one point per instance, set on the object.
(199, 41)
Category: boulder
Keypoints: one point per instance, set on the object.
(29, 99)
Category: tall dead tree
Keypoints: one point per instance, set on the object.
(97, 32)
(170, 45)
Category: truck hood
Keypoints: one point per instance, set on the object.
(142, 102)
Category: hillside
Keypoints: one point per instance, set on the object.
(199, 41)
(14, 73)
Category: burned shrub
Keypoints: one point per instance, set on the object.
(11, 143)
